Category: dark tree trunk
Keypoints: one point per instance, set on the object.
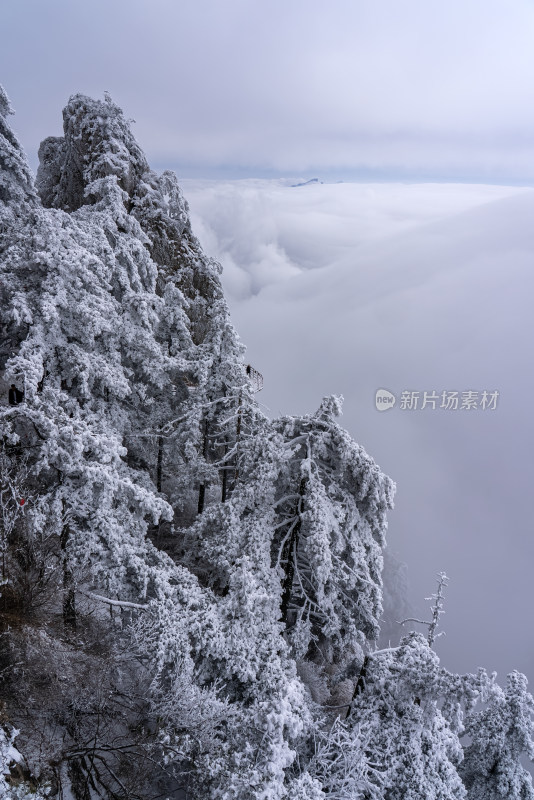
(201, 497)
(69, 597)
(202, 487)
(160, 463)
(288, 556)
(360, 683)
(224, 473)
(238, 437)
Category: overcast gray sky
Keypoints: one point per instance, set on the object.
(347, 288)
(396, 88)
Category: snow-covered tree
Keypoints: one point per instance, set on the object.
(312, 513)
(161, 276)
(500, 735)
(225, 689)
(11, 786)
(129, 343)
(409, 742)
(329, 532)
(16, 181)
(112, 340)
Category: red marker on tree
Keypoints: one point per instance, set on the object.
(22, 501)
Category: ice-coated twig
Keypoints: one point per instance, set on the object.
(436, 608)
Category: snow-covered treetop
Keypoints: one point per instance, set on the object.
(5, 105)
(16, 180)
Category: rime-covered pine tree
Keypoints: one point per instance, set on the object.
(500, 735)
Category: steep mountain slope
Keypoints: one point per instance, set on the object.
(190, 592)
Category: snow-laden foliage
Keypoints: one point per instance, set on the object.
(499, 736)
(103, 361)
(13, 786)
(331, 506)
(130, 369)
(16, 182)
(401, 718)
(213, 574)
(410, 736)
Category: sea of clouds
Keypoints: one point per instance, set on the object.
(347, 288)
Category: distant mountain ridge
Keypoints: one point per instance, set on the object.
(305, 183)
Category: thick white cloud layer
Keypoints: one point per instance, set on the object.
(264, 232)
(415, 288)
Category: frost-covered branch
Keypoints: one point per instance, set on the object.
(110, 602)
(436, 608)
